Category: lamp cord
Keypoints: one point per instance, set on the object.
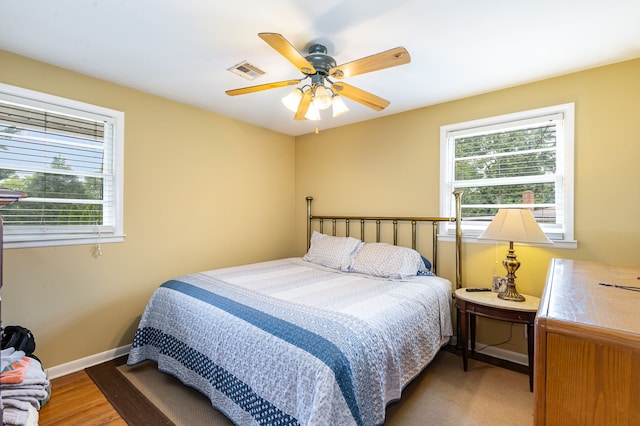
(499, 343)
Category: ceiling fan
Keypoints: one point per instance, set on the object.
(321, 68)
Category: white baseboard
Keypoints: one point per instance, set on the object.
(514, 357)
(81, 364)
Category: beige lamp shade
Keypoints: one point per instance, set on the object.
(515, 225)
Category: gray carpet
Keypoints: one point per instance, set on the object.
(442, 395)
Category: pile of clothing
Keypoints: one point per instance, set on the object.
(24, 387)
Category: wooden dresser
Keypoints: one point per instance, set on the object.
(587, 346)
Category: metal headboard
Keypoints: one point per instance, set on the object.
(347, 220)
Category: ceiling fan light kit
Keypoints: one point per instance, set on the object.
(307, 101)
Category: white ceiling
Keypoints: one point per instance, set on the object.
(181, 49)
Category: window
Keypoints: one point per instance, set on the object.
(522, 160)
(67, 157)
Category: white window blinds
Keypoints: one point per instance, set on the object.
(64, 159)
(518, 161)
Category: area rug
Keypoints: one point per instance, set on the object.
(443, 394)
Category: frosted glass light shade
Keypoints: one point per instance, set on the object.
(321, 98)
(292, 100)
(339, 106)
(312, 113)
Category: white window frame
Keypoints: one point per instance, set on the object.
(564, 237)
(34, 236)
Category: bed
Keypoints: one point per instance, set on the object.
(328, 338)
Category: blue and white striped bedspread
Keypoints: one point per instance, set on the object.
(289, 342)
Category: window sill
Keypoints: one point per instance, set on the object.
(561, 244)
(60, 240)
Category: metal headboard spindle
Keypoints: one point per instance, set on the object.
(414, 220)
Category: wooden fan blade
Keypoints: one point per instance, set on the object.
(286, 49)
(365, 98)
(303, 107)
(379, 61)
(261, 87)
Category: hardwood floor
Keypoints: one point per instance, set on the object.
(76, 400)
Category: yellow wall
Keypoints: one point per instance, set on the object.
(226, 173)
(391, 166)
(198, 189)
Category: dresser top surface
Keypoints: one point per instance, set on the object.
(575, 292)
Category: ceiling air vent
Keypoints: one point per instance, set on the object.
(246, 70)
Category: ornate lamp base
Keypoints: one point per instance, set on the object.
(511, 264)
(511, 294)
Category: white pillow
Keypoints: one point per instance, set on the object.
(332, 252)
(388, 261)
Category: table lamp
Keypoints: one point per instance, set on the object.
(514, 225)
